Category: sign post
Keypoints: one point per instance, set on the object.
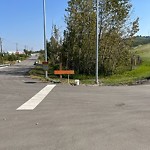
(60, 72)
(45, 66)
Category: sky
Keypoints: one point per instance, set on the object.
(21, 21)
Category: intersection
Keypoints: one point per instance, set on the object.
(72, 117)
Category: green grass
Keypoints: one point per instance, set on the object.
(141, 72)
(37, 71)
(138, 73)
(130, 77)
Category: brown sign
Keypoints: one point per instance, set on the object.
(44, 62)
(63, 72)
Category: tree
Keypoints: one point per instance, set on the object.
(80, 35)
(54, 47)
(115, 34)
(27, 52)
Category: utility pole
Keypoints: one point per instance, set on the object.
(16, 47)
(45, 44)
(25, 47)
(97, 40)
(1, 50)
(1, 45)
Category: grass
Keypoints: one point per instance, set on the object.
(134, 76)
(129, 77)
(139, 73)
(39, 73)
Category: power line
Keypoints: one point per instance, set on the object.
(15, 46)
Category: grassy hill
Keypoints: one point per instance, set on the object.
(141, 40)
(144, 52)
(139, 74)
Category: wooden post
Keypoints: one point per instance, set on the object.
(68, 78)
(60, 72)
(60, 68)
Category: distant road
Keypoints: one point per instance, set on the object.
(19, 69)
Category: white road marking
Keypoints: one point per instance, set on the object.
(3, 67)
(146, 85)
(36, 99)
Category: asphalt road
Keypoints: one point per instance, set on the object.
(72, 117)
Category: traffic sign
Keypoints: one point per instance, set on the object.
(45, 66)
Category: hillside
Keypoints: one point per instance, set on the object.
(144, 52)
(138, 75)
(141, 40)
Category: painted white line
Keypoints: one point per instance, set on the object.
(3, 67)
(36, 99)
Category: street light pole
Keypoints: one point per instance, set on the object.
(97, 40)
(45, 46)
(1, 46)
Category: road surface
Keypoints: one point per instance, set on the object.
(72, 117)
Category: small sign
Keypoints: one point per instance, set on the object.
(60, 72)
(45, 63)
(63, 71)
(45, 66)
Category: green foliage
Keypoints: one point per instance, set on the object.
(41, 55)
(77, 49)
(27, 52)
(37, 71)
(140, 40)
(80, 36)
(54, 47)
(115, 36)
(129, 77)
(10, 58)
(141, 72)
(137, 74)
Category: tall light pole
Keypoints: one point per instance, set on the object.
(1, 45)
(45, 46)
(16, 47)
(97, 40)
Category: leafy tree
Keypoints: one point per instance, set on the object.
(27, 52)
(115, 34)
(54, 47)
(80, 35)
(12, 57)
